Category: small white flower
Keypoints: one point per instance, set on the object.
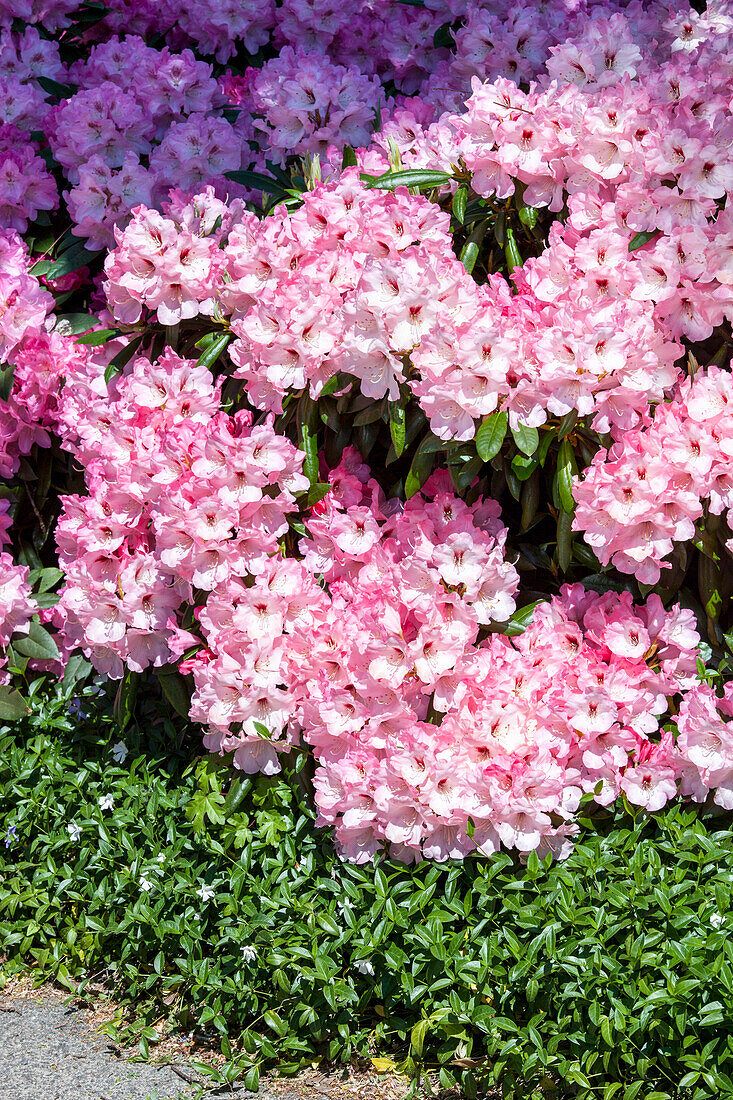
(160, 858)
(717, 919)
(106, 802)
(364, 967)
(249, 953)
(205, 892)
(74, 830)
(119, 752)
(145, 884)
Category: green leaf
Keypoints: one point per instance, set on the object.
(567, 469)
(527, 215)
(77, 668)
(490, 435)
(7, 375)
(307, 436)
(73, 259)
(36, 644)
(175, 689)
(317, 492)
(258, 181)
(526, 439)
(75, 323)
(564, 539)
(348, 158)
(524, 466)
(511, 250)
(521, 619)
(274, 1021)
(126, 698)
(44, 579)
(640, 239)
(251, 1080)
(421, 178)
(421, 467)
(460, 200)
(469, 254)
(397, 426)
(464, 472)
(417, 1037)
(214, 350)
(12, 705)
(55, 88)
(101, 336)
(122, 358)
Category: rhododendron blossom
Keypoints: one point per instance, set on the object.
(646, 494)
(382, 466)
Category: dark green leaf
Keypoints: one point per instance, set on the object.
(72, 259)
(460, 200)
(13, 706)
(640, 239)
(421, 178)
(101, 336)
(37, 644)
(209, 356)
(520, 620)
(258, 181)
(122, 358)
(567, 469)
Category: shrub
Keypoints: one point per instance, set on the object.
(607, 974)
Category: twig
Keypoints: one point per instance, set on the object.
(41, 524)
(185, 1076)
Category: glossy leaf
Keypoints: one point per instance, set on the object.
(490, 435)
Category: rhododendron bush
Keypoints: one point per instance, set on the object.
(366, 381)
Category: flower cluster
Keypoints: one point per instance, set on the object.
(24, 303)
(26, 186)
(306, 104)
(646, 493)
(425, 740)
(181, 498)
(39, 363)
(409, 589)
(705, 745)
(575, 261)
(17, 606)
(402, 296)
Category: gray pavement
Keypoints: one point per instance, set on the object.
(49, 1052)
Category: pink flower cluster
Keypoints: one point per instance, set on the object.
(30, 413)
(181, 498)
(173, 263)
(367, 629)
(17, 606)
(705, 745)
(646, 493)
(23, 301)
(408, 588)
(365, 281)
(522, 729)
(427, 742)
